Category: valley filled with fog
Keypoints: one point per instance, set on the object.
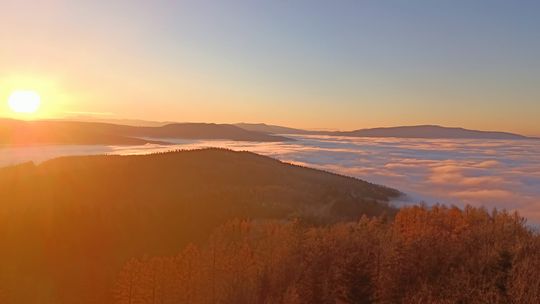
(490, 173)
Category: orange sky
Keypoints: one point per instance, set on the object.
(320, 66)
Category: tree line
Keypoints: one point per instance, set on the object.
(424, 254)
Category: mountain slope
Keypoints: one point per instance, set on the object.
(16, 132)
(70, 223)
(272, 129)
(202, 131)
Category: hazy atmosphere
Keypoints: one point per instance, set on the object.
(269, 152)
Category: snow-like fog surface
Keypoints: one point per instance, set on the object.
(491, 173)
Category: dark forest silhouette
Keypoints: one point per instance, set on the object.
(69, 224)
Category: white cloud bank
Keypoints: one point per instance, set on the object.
(490, 173)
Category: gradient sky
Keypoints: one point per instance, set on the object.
(311, 64)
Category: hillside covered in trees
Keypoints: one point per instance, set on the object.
(425, 255)
(69, 224)
(218, 226)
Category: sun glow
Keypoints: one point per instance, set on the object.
(24, 101)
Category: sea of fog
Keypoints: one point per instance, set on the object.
(491, 173)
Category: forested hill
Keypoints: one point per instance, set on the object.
(70, 223)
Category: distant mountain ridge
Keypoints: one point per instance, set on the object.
(429, 131)
(271, 129)
(420, 131)
(60, 132)
(18, 132)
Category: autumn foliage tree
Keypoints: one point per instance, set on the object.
(424, 255)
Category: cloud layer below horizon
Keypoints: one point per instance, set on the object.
(490, 173)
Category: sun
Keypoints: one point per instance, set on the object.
(24, 101)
